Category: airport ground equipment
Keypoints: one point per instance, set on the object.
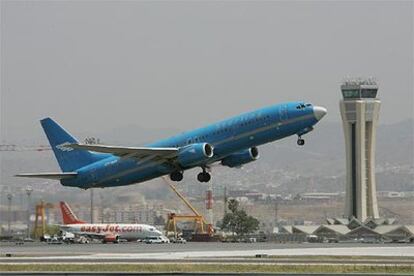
(40, 218)
(201, 227)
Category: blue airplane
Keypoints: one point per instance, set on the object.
(233, 142)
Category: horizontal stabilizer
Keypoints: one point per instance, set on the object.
(56, 176)
(135, 152)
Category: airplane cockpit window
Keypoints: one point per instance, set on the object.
(152, 229)
(302, 106)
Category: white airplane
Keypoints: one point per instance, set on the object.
(111, 232)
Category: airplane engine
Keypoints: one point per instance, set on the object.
(110, 238)
(240, 158)
(194, 154)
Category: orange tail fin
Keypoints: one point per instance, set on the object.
(67, 214)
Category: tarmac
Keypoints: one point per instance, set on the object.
(132, 251)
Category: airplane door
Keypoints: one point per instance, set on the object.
(283, 113)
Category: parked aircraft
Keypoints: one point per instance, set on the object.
(110, 232)
(233, 142)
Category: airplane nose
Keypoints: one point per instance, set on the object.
(319, 112)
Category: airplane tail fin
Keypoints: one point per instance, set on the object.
(69, 159)
(68, 216)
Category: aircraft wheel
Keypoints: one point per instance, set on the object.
(176, 176)
(204, 177)
(301, 142)
(207, 177)
(200, 177)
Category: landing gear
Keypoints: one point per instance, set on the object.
(176, 176)
(204, 176)
(300, 141)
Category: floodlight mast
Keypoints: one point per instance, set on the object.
(29, 191)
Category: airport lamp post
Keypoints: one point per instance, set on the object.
(29, 191)
(9, 198)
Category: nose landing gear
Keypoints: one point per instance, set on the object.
(300, 141)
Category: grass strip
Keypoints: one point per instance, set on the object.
(408, 269)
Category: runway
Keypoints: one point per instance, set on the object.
(202, 252)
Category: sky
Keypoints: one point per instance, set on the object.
(95, 66)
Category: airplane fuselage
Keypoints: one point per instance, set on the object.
(130, 232)
(227, 137)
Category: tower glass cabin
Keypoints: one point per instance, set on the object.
(359, 111)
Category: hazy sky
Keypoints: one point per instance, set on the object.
(98, 65)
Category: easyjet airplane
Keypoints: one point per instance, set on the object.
(232, 142)
(111, 232)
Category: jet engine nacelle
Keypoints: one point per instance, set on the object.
(240, 158)
(194, 154)
(110, 238)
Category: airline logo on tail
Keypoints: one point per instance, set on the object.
(68, 216)
(64, 147)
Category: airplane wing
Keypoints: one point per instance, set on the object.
(130, 152)
(50, 175)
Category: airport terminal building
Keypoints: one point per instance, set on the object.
(343, 230)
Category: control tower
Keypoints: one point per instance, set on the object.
(359, 111)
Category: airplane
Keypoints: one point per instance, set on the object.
(111, 232)
(232, 142)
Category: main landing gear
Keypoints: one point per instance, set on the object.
(300, 141)
(176, 176)
(204, 176)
